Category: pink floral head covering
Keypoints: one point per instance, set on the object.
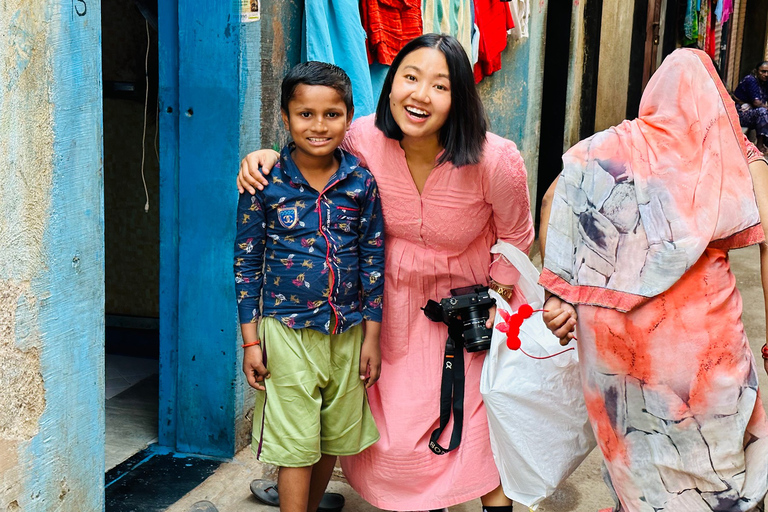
(636, 205)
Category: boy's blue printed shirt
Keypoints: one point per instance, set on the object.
(311, 255)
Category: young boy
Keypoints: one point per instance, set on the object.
(309, 251)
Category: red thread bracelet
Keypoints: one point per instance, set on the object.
(257, 342)
(764, 350)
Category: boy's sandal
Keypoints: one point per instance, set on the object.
(266, 492)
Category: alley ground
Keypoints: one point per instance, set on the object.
(584, 491)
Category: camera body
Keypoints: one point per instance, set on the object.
(469, 306)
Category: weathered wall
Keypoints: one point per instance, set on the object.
(250, 137)
(280, 50)
(51, 262)
(613, 74)
(512, 96)
(575, 72)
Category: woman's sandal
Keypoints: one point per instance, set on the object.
(266, 492)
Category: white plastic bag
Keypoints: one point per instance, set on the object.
(536, 413)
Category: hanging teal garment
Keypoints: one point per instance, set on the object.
(453, 17)
(691, 23)
(333, 33)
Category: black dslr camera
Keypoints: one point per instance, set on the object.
(469, 307)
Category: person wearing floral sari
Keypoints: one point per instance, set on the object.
(639, 227)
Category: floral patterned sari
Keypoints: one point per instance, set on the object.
(643, 216)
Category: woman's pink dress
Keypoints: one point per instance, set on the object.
(435, 241)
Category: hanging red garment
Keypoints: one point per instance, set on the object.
(711, 47)
(389, 24)
(493, 18)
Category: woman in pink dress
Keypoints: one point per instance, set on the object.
(449, 190)
(642, 218)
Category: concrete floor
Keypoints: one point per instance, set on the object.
(130, 408)
(583, 491)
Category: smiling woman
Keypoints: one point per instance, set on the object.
(449, 190)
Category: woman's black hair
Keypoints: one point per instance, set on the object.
(463, 134)
(316, 73)
(757, 68)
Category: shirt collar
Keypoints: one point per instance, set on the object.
(347, 164)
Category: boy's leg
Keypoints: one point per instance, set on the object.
(293, 488)
(321, 475)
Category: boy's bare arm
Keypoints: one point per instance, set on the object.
(370, 354)
(253, 363)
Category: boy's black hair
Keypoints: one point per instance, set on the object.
(316, 73)
(463, 134)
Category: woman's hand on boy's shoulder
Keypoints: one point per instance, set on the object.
(253, 169)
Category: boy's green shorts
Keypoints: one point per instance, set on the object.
(315, 402)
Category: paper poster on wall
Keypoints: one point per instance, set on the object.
(250, 10)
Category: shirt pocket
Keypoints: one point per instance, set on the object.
(345, 218)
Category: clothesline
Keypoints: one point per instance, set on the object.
(363, 37)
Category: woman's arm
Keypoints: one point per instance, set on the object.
(559, 316)
(759, 170)
(508, 196)
(546, 208)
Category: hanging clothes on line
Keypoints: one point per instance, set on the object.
(389, 24)
(494, 19)
(723, 10)
(691, 23)
(453, 17)
(332, 33)
(521, 12)
(703, 24)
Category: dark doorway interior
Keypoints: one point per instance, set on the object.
(131, 216)
(753, 46)
(555, 86)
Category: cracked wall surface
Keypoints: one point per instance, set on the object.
(51, 257)
(26, 153)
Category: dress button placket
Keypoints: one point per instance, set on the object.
(420, 220)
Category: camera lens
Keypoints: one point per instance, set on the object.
(477, 336)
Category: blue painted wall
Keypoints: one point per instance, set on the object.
(513, 96)
(201, 147)
(168, 123)
(52, 263)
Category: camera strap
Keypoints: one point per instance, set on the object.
(451, 391)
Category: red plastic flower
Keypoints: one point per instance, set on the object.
(511, 326)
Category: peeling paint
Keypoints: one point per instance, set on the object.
(23, 398)
(26, 150)
(512, 96)
(51, 325)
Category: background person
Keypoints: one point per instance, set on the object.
(449, 190)
(752, 103)
(639, 226)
